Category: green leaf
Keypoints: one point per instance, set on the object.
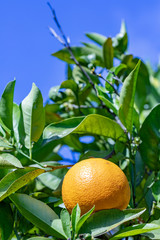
(83, 219)
(16, 119)
(6, 105)
(65, 218)
(93, 153)
(39, 214)
(75, 217)
(150, 136)
(104, 221)
(53, 179)
(9, 161)
(80, 77)
(135, 230)
(143, 80)
(98, 38)
(68, 71)
(92, 46)
(89, 125)
(127, 96)
(116, 70)
(120, 42)
(101, 93)
(108, 53)
(139, 168)
(4, 143)
(79, 52)
(17, 179)
(70, 84)
(32, 117)
(6, 221)
(39, 238)
(155, 234)
(156, 190)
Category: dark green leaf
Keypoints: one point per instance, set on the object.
(83, 219)
(150, 136)
(6, 221)
(92, 153)
(135, 230)
(17, 179)
(103, 221)
(39, 214)
(68, 71)
(156, 190)
(39, 238)
(127, 96)
(139, 168)
(108, 53)
(65, 218)
(92, 124)
(9, 161)
(32, 117)
(6, 105)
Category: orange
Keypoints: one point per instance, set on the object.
(98, 182)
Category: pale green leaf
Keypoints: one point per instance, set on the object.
(93, 124)
(9, 161)
(135, 230)
(6, 105)
(17, 179)
(127, 96)
(104, 221)
(32, 117)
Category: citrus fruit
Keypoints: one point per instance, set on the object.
(98, 182)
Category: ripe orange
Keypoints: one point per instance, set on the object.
(98, 182)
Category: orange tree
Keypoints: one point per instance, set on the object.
(108, 94)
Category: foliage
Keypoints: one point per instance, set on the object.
(117, 103)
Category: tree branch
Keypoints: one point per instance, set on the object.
(65, 42)
(100, 76)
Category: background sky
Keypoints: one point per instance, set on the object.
(26, 44)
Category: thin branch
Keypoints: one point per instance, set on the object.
(66, 43)
(110, 155)
(100, 76)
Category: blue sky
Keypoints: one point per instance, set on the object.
(26, 44)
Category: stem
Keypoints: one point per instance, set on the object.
(15, 227)
(99, 75)
(133, 173)
(65, 43)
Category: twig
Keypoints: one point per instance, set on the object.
(114, 76)
(53, 168)
(110, 155)
(65, 42)
(100, 76)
